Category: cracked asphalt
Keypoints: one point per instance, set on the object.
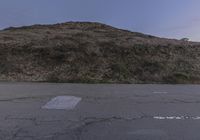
(106, 112)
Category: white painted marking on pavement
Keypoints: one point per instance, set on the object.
(160, 92)
(176, 118)
(196, 118)
(62, 102)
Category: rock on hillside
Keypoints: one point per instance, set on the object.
(95, 53)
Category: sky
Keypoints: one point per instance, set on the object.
(163, 18)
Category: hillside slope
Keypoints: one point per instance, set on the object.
(95, 53)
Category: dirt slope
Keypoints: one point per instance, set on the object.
(95, 53)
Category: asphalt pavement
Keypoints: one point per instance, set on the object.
(43, 111)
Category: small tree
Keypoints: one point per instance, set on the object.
(185, 39)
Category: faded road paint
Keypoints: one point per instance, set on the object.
(177, 118)
(62, 102)
(160, 92)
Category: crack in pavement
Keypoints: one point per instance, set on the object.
(25, 98)
(163, 100)
(31, 119)
(75, 129)
(186, 102)
(88, 121)
(174, 101)
(34, 120)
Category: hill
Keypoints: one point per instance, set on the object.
(87, 52)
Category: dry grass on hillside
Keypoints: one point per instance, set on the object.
(95, 53)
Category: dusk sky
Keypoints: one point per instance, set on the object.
(164, 18)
